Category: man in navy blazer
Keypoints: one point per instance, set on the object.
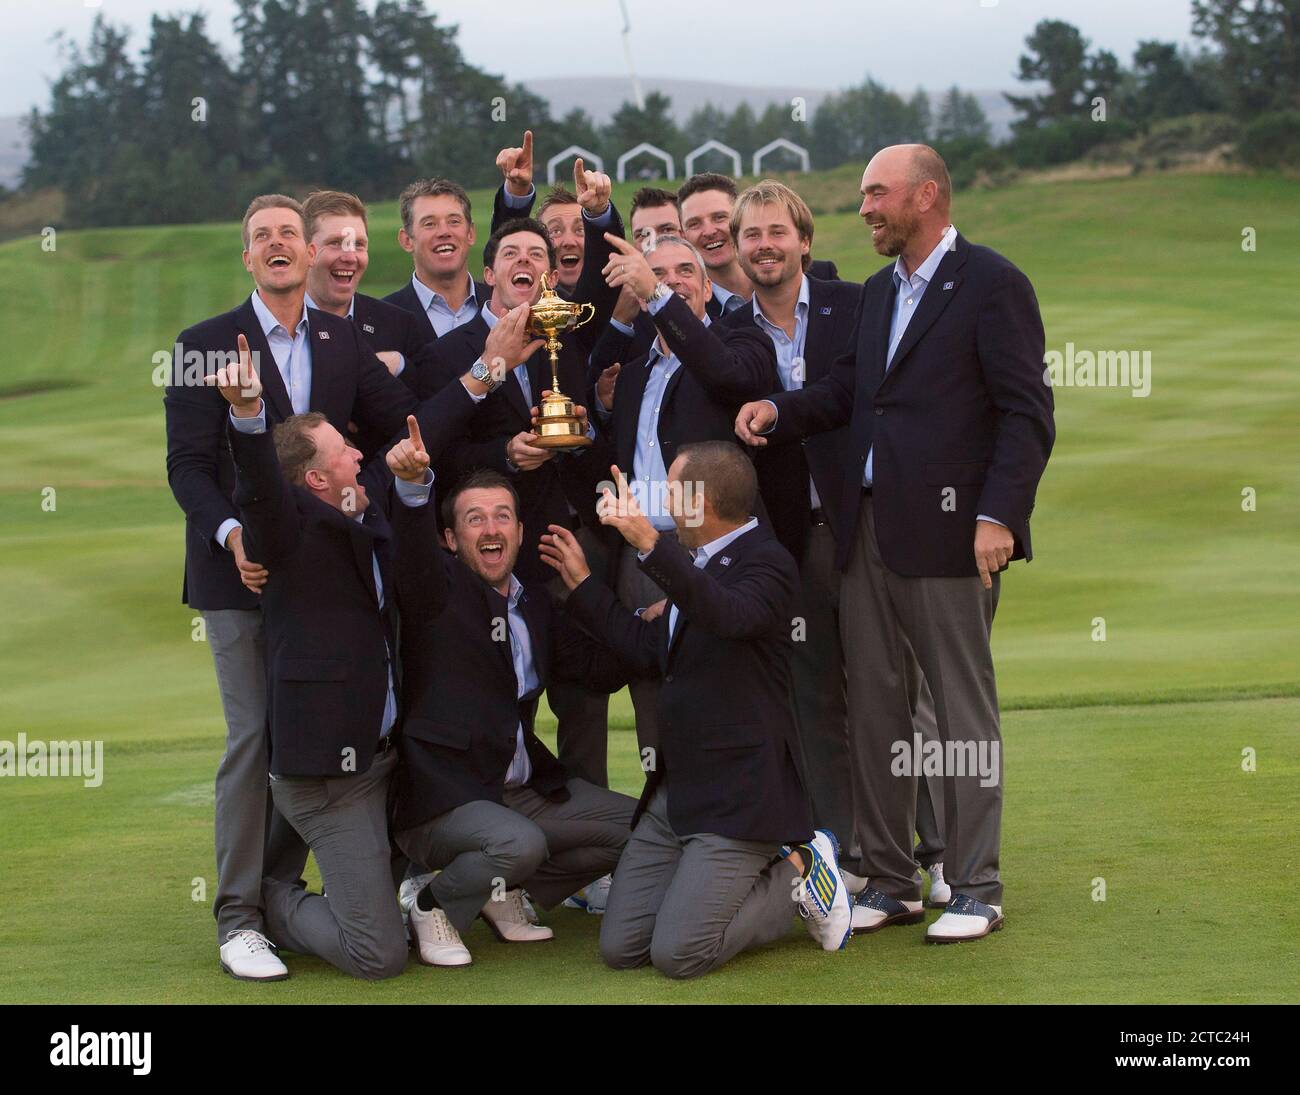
(722, 844)
(310, 361)
(479, 796)
(950, 427)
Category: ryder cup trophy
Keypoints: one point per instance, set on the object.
(557, 427)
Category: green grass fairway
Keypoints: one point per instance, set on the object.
(1123, 756)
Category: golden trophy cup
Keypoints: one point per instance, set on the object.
(558, 427)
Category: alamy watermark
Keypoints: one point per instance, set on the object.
(1099, 369)
(82, 760)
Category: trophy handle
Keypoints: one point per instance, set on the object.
(591, 314)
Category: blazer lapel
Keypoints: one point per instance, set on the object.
(817, 338)
(320, 349)
(277, 395)
(942, 288)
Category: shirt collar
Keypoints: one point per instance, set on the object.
(489, 316)
(427, 295)
(516, 591)
(801, 305)
(309, 303)
(714, 546)
(926, 270)
(269, 322)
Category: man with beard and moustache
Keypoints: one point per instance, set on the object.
(630, 331)
(685, 389)
(950, 428)
(337, 227)
(478, 795)
(310, 361)
(554, 487)
(811, 323)
(706, 201)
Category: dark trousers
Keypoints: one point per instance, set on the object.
(581, 716)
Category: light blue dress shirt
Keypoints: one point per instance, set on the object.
(910, 290)
(649, 485)
(521, 654)
(409, 494)
(292, 356)
(521, 370)
(790, 354)
(730, 301)
(440, 313)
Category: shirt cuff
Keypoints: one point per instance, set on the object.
(414, 494)
(256, 424)
(401, 364)
(991, 520)
(513, 201)
(223, 530)
(778, 415)
(621, 327)
(657, 306)
(601, 221)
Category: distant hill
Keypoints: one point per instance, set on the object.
(600, 96)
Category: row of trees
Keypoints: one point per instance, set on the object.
(331, 92)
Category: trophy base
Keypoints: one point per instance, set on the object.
(562, 441)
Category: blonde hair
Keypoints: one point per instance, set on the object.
(771, 192)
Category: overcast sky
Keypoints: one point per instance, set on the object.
(818, 43)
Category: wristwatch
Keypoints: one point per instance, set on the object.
(662, 292)
(480, 372)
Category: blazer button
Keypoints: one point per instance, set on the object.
(880, 410)
(668, 679)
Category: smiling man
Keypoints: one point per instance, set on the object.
(337, 227)
(309, 360)
(950, 428)
(480, 798)
(553, 487)
(686, 388)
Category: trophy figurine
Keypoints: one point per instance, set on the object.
(558, 427)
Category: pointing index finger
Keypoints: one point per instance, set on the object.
(413, 431)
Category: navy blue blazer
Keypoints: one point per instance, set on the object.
(960, 425)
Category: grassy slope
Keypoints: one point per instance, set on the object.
(1138, 521)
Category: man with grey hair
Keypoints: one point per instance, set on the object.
(949, 430)
(685, 389)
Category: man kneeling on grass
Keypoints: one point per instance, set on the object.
(722, 849)
(479, 796)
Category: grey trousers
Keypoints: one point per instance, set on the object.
(946, 622)
(635, 590)
(551, 849)
(356, 924)
(689, 904)
(581, 716)
(253, 840)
